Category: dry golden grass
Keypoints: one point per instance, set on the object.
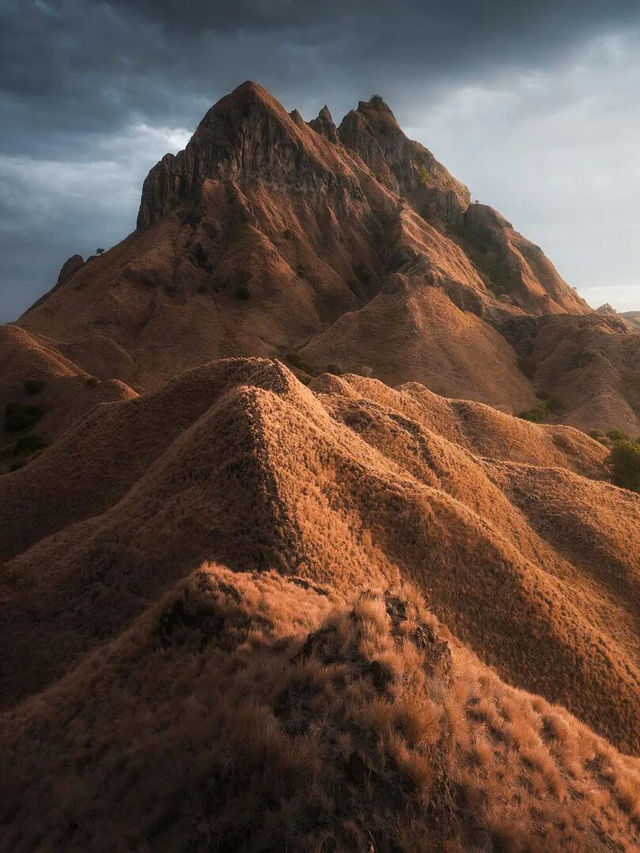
(145, 706)
(256, 712)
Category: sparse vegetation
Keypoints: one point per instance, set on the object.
(33, 386)
(294, 359)
(598, 435)
(538, 414)
(18, 417)
(492, 266)
(535, 415)
(28, 444)
(423, 176)
(526, 367)
(624, 462)
(378, 102)
(200, 259)
(242, 292)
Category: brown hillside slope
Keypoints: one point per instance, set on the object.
(591, 364)
(257, 472)
(35, 373)
(350, 248)
(288, 716)
(632, 317)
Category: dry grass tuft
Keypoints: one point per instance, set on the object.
(254, 712)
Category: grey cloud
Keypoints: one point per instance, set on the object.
(77, 75)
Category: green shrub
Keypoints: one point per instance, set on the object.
(378, 102)
(424, 176)
(28, 444)
(617, 435)
(17, 417)
(92, 381)
(551, 405)
(33, 386)
(294, 359)
(624, 462)
(598, 435)
(242, 292)
(301, 270)
(536, 415)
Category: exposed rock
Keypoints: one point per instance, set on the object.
(297, 117)
(247, 135)
(69, 268)
(324, 125)
(606, 309)
(405, 166)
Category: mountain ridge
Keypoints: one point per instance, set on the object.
(279, 567)
(270, 236)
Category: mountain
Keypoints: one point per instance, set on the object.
(345, 247)
(279, 568)
(236, 583)
(632, 317)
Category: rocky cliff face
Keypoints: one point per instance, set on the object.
(324, 125)
(246, 136)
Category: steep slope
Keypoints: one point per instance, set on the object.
(257, 472)
(42, 392)
(303, 497)
(286, 716)
(350, 247)
(590, 364)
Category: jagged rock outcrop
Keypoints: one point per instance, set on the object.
(69, 268)
(407, 167)
(324, 125)
(606, 309)
(247, 135)
(512, 266)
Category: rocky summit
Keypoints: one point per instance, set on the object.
(347, 247)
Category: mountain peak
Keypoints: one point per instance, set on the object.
(324, 125)
(246, 135)
(375, 103)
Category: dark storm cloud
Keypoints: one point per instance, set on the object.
(69, 65)
(92, 93)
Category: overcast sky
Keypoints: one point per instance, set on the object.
(534, 105)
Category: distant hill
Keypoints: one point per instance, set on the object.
(632, 317)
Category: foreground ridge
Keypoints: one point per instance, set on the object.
(205, 556)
